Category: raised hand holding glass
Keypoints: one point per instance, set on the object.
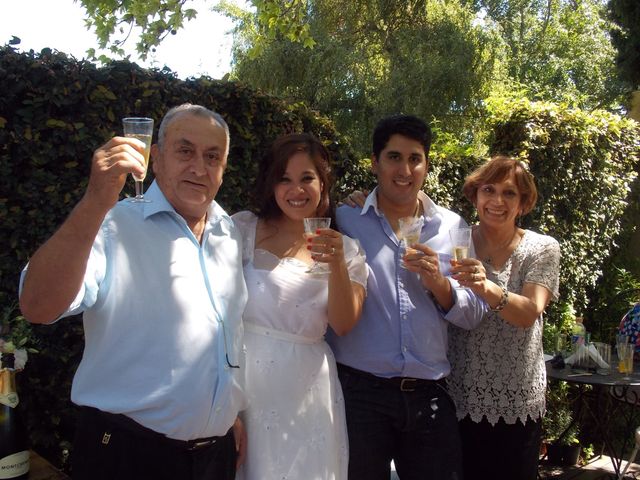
(311, 225)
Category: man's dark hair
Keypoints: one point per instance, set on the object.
(405, 125)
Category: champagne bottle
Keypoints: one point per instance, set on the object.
(14, 453)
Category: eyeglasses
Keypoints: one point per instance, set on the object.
(226, 352)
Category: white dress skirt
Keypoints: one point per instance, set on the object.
(295, 421)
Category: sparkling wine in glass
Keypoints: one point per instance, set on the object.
(461, 241)
(311, 225)
(142, 129)
(410, 229)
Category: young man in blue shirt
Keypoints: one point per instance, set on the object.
(393, 365)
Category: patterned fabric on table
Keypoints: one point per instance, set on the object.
(630, 325)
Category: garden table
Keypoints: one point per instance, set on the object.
(615, 398)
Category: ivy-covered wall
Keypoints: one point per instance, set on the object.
(54, 111)
(585, 164)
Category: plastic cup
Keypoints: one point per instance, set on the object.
(561, 344)
(625, 357)
(140, 128)
(410, 230)
(604, 350)
(461, 242)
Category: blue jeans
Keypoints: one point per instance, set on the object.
(417, 429)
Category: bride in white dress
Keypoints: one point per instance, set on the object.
(295, 421)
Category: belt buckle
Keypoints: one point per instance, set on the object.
(197, 445)
(404, 387)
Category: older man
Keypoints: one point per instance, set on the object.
(393, 365)
(161, 288)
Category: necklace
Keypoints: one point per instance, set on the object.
(418, 209)
(279, 242)
(499, 248)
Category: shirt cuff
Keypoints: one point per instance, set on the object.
(468, 309)
(454, 296)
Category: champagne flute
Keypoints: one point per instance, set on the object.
(410, 230)
(461, 240)
(142, 129)
(311, 225)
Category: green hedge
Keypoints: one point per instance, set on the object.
(585, 164)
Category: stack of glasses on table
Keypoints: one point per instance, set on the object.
(596, 356)
(588, 356)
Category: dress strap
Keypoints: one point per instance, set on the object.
(279, 335)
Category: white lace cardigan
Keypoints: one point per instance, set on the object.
(497, 369)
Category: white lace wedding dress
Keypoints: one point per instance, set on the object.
(295, 421)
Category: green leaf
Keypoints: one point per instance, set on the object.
(53, 123)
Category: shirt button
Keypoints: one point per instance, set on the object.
(404, 316)
(404, 349)
(226, 367)
(218, 409)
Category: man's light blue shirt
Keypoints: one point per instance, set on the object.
(161, 311)
(402, 331)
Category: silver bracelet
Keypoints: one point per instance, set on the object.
(503, 301)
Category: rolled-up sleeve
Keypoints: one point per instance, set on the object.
(93, 278)
(468, 309)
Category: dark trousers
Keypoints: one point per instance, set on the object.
(417, 429)
(110, 447)
(501, 451)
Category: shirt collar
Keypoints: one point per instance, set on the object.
(159, 203)
(428, 206)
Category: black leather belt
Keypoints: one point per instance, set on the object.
(116, 419)
(404, 384)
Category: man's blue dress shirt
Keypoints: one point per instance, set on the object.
(402, 331)
(160, 312)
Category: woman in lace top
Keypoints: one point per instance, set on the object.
(295, 420)
(498, 377)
